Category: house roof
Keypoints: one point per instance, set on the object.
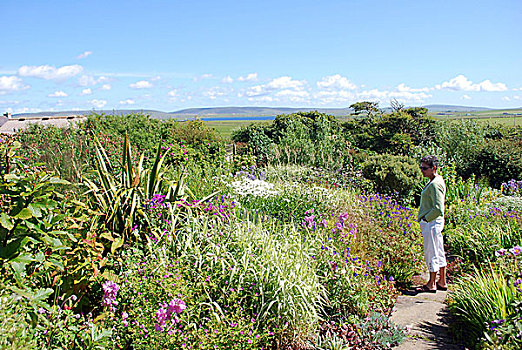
(12, 125)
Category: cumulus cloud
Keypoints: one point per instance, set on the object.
(106, 87)
(215, 92)
(11, 83)
(461, 83)
(86, 92)
(293, 95)
(84, 55)
(142, 84)
(228, 79)
(58, 94)
(334, 96)
(336, 81)
(127, 102)
(403, 88)
(280, 83)
(386, 96)
(23, 110)
(49, 72)
(203, 77)
(248, 77)
(89, 80)
(173, 93)
(98, 103)
(465, 97)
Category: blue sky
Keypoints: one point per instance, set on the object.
(170, 55)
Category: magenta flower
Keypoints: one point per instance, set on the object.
(176, 306)
(515, 250)
(501, 252)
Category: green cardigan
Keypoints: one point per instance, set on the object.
(432, 200)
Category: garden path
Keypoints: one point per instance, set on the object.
(427, 318)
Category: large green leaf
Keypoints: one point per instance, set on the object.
(24, 214)
(6, 221)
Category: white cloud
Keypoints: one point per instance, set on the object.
(84, 55)
(106, 87)
(335, 96)
(465, 97)
(98, 103)
(58, 94)
(127, 102)
(293, 95)
(227, 79)
(10, 84)
(386, 96)
(403, 88)
(336, 81)
(261, 99)
(23, 110)
(49, 72)
(461, 83)
(203, 77)
(516, 97)
(173, 93)
(89, 80)
(216, 92)
(280, 83)
(86, 92)
(142, 84)
(506, 98)
(249, 77)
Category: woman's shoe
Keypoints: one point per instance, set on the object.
(439, 287)
(425, 289)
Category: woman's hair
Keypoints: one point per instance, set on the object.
(431, 161)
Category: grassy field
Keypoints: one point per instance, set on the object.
(501, 116)
(226, 127)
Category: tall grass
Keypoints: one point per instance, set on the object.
(480, 298)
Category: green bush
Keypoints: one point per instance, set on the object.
(500, 161)
(393, 174)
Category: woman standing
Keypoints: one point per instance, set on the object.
(431, 218)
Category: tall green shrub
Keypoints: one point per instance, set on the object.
(393, 174)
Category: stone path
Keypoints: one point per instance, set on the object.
(427, 317)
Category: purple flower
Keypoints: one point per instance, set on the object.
(176, 306)
(310, 221)
(515, 250)
(501, 252)
(323, 222)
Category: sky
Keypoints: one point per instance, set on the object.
(172, 55)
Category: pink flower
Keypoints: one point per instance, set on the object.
(176, 306)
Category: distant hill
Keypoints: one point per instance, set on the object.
(450, 108)
(246, 112)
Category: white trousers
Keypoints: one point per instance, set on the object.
(433, 244)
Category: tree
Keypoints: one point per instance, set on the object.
(370, 108)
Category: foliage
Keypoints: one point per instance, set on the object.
(481, 299)
(311, 138)
(500, 161)
(393, 175)
(476, 236)
(120, 197)
(390, 235)
(394, 133)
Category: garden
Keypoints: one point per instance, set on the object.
(126, 232)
